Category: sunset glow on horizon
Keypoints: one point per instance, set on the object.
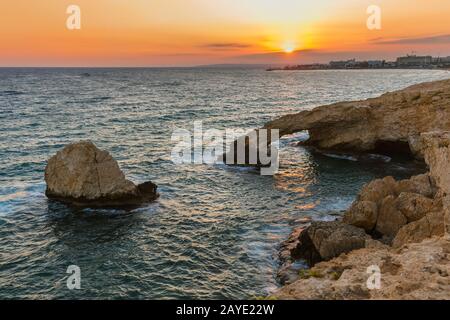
(193, 32)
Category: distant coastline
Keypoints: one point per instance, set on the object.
(406, 62)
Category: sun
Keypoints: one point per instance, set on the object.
(288, 47)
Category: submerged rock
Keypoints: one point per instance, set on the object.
(288, 270)
(82, 174)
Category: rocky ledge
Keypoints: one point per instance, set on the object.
(414, 271)
(391, 123)
(401, 227)
(83, 175)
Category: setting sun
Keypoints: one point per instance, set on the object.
(288, 47)
(164, 33)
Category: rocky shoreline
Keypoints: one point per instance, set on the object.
(400, 227)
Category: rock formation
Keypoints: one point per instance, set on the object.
(416, 271)
(324, 240)
(385, 207)
(390, 123)
(436, 148)
(400, 226)
(386, 125)
(82, 174)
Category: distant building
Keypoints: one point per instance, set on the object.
(376, 63)
(357, 65)
(341, 64)
(390, 64)
(414, 61)
(409, 61)
(353, 64)
(444, 61)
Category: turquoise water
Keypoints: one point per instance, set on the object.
(215, 231)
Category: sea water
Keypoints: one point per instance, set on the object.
(215, 230)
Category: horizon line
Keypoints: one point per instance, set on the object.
(203, 65)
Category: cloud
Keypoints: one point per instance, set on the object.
(419, 40)
(225, 45)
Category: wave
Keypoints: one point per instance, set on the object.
(11, 93)
(89, 100)
(369, 157)
(341, 156)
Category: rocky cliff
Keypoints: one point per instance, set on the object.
(415, 271)
(400, 227)
(390, 123)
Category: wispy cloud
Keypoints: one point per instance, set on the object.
(417, 40)
(225, 45)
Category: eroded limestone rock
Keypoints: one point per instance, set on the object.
(82, 174)
(390, 219)
(416, 271)
(432, 224)
(385, 205)
(391, 123)
(324, 240)
(414, 206)
(414, 212)
(362, 214)
(436, 148)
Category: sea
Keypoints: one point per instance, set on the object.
(215, 231)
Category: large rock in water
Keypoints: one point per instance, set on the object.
(82, 174)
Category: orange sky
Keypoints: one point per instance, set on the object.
(192, 32)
